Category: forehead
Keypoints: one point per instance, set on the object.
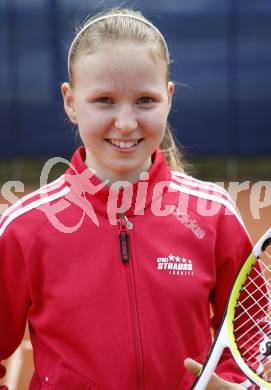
(120, 64)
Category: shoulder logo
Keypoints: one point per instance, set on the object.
(190, 223)
(175, 265)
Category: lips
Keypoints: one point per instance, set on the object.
(124, 145)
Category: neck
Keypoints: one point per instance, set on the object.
(114, 176)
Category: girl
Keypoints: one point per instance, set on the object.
(120, 299)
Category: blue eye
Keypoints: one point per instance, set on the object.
(104, 100)
(146, 99)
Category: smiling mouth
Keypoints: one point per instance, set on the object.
(124, 144)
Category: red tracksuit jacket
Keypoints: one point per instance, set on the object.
(116, 284)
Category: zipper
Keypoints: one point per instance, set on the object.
(124, 226)
(125, 255)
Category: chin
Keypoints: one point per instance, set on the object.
(125, 172)
(125, 167)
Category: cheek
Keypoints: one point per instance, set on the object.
(156, 122)
(93, 121)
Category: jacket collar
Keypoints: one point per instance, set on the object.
(134, 198)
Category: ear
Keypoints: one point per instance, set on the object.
(68, 100)
(170, 94)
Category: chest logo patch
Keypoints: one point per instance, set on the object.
(175, 265)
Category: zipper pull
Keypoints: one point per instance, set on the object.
(125, 225)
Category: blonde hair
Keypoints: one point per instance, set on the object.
(136, 28)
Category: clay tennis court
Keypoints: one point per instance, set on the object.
(255, 207)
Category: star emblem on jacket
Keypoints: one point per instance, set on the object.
(175, 265)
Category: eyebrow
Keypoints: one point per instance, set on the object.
(112, 92)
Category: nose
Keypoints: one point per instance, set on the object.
(125, 120)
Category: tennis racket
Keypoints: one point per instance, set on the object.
(246, 324)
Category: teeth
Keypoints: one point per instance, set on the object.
(124, 145)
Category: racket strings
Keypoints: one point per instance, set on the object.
(252, 320)
(254, 344)
(262, 289)
(266, 282)
(256, 330)
(260, 274)
(245, 322)
(256, 352)
(248, 309)
(248, 331)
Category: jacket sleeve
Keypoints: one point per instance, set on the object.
(233, 246)
(14, 294)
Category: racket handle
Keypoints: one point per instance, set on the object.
(212, 361)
